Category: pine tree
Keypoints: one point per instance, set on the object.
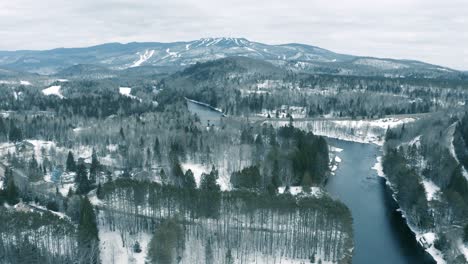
(11, 192)
(208, 181)
(70, 164)
(88, 239)
(94, 169)
(82, 180)
(14, 134)
(99, 193)
(190, 180)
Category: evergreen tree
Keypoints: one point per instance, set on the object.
(208, 181)
(99, 193)
(15, 134)
(465, 234)
(70, 164)
(82, 180)
(190, 180)
(88, 239)
(94, 169)
(11, 192)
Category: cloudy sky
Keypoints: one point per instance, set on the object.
(430, 30)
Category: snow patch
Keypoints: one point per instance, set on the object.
(25, 83)
(378, 167)
(298, 190)
(143, 58)
(113, 251)
(463, 249)
(53, 90)
(126, 91)
(431, 189)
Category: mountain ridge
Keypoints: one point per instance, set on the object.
(292, 56)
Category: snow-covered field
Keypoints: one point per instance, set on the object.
(362, 131)
(53, 90)
(112, 249)
(126, 91)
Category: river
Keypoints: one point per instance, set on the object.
(380, 232)
(381, 235)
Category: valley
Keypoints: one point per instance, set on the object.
(225, 150)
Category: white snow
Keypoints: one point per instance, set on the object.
(143, 58)
(335, 149)
(53, 90)
(463, 249)
(431, 189)
(337, 159)
(171, 54)
(25, 83)
(415, 141)
(382, 123)
(112, 250)
(126, 91)
(378, 167)
(297, 190)
(427, 241)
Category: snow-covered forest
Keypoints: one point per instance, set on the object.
(121, 167)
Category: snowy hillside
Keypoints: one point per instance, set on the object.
(295, 57)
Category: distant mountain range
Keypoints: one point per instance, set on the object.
(174, 56)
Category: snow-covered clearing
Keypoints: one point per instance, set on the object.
(127, 91)
(25, 83)
(362, 131)
(143, 58)
(53, 90)
(427, 241)
(113, 251)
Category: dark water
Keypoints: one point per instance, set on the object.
(380, 233)
(207, 116)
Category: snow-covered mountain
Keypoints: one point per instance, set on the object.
(176, 55)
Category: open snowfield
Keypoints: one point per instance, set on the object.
(113, 251)
(126, 91)
(362, 131)
(53, 90)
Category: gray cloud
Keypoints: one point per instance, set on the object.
(429, 30)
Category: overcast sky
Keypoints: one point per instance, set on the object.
(434, 31)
